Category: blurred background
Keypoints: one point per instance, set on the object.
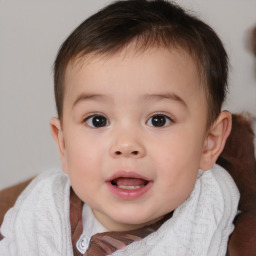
(31, 31)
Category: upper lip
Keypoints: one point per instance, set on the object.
(127, 174)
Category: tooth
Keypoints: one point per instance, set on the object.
(129, 187)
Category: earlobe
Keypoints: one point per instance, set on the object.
(57, 134)
(215, 140)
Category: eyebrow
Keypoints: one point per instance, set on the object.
(151, 97)
(86, 97)
(168, 96)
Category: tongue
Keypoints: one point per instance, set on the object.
(129, 182)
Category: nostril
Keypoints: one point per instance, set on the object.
(135, 153)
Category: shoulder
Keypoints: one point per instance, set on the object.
(40, 212)
(51, 185)
(215, 193)
(224, 182)
(48, 183)
(218, 187)
(222, 198)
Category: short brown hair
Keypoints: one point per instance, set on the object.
(149, 23)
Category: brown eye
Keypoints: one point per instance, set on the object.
(97, 121)
(159, 121)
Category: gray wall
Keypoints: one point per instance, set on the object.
(31, 32)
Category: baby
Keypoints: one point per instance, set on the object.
(139, 88)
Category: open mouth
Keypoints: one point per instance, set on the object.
(129, 183)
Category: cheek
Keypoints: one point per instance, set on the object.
(177, 160)
(84, 168)
(176, 176)
(179, 151)
(82, 155)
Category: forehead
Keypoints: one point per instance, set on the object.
(154, 66)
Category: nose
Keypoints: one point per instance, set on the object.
(128, 145)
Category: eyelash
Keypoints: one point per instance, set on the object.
(166, 119)
(90, 118)
(104, 121)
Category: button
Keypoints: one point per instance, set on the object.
(83, 244)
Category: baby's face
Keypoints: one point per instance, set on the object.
(134, 127)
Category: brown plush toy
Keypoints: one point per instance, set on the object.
(239, 159)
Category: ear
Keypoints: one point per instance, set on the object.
(57, 134)
(215, 140)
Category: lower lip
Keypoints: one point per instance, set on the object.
(129, 193)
